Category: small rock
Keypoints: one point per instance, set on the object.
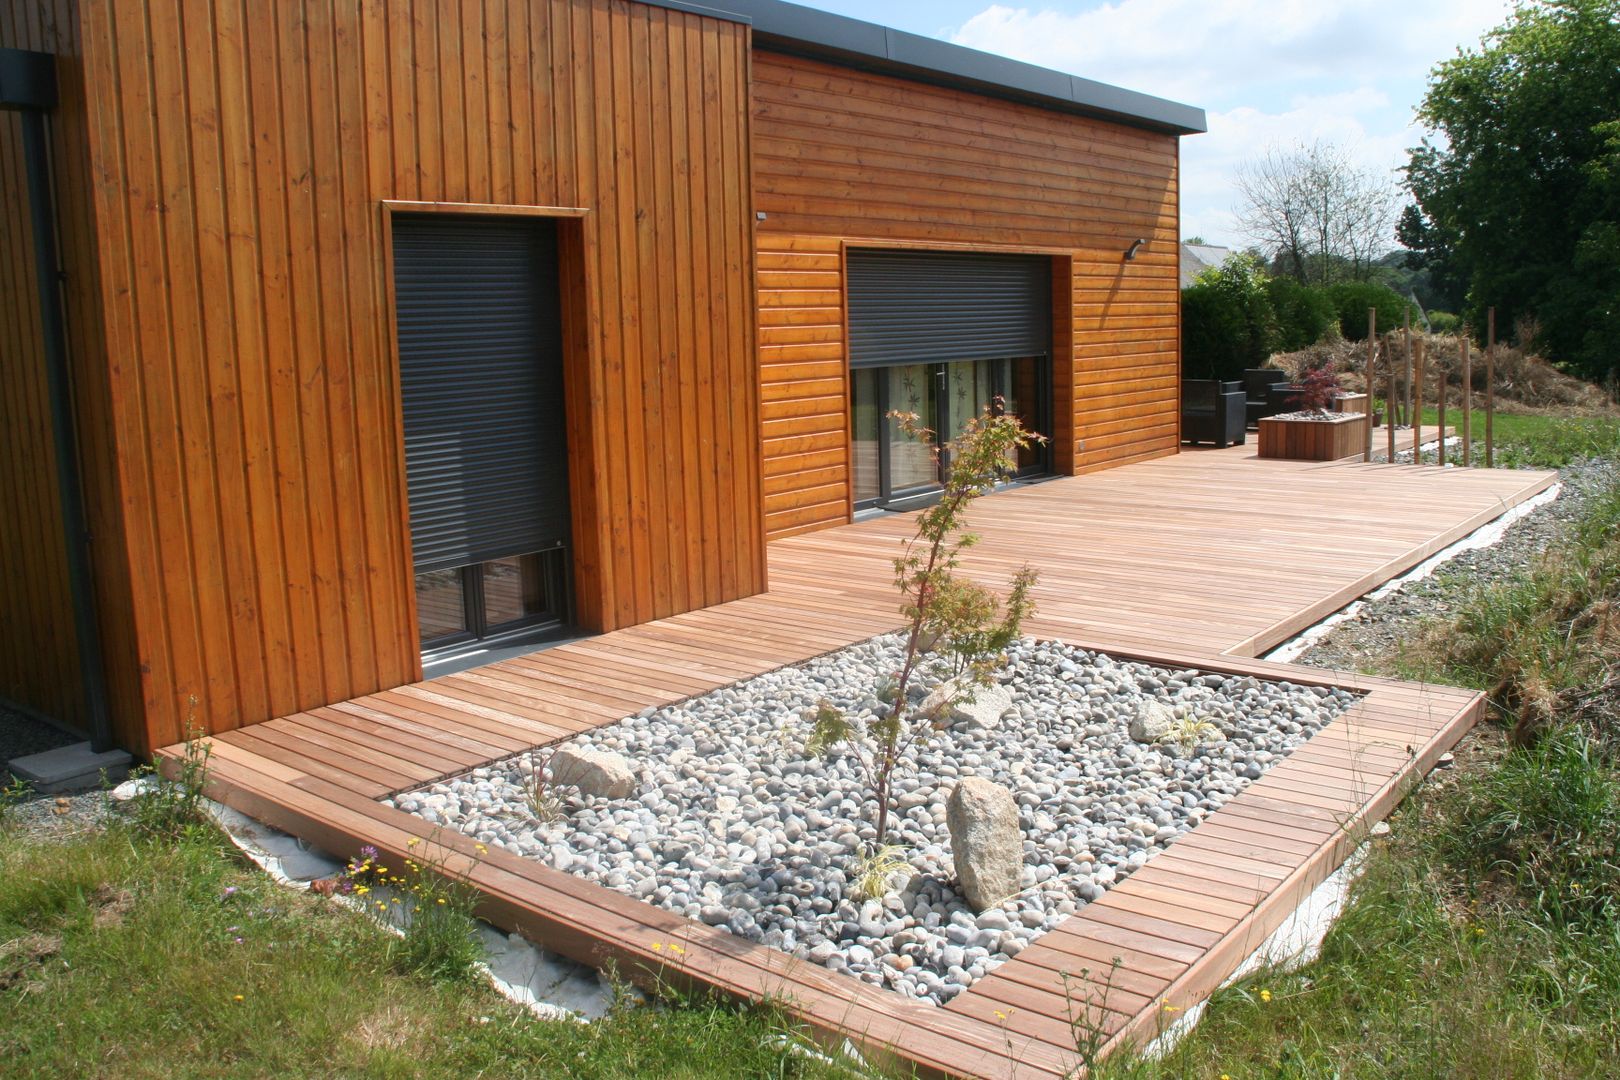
(593, 772)
(937, 702)
(1152, 722)
(983, 708)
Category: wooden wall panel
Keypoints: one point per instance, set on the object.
(243, 152)
(38, 653)
(849, 157)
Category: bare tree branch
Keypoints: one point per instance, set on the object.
(1315, 213)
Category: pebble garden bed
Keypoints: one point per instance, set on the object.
(731, 823)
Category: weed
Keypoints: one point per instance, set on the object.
(1087, 1007)
(1188, 732)
(13, 793)
(434, 911)
(876, 870)
(173, 804)
(540, 791)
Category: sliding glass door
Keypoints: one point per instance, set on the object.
(895, 471)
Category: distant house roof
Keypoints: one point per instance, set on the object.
(823, 35)
(1196, 258)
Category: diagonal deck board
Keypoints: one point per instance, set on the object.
(1199, 560)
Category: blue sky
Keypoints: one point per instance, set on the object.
(1267, 73)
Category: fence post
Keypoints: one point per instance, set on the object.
(1417, 403)
(1392, 406)
(1440, 405)
(1467, 401)
(1372, 353)
(1406, 369)
(1490, 388)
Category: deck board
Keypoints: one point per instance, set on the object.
(1204, 559)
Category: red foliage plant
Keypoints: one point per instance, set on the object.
(1318, 388)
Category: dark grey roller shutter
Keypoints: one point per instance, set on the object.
(486, 450)
(911, 307)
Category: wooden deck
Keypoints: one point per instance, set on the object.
(1200, 560)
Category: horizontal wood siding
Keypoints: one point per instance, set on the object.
(38, 652)
(844, 156)
(804, 382)
(242, 154)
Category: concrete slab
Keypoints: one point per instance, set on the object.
(70, 768)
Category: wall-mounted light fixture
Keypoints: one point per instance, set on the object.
(1130, 252)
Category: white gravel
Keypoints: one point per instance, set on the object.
(733, 825)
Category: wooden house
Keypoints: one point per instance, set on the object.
(337, 334)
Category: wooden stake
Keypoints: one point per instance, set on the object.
(1372, 352)
(1406, 390)
(1467, 402)
(1392, 405)
(1490, 388)
(1417, 404)
(1440, 406)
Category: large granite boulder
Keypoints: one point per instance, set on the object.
(986, 845)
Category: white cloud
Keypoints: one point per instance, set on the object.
(1268, 73)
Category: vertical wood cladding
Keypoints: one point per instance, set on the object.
(844, 156)
(38, 653)
(242, 152)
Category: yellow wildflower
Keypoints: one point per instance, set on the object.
(413, 841)
(1265, 995)
(238, 997)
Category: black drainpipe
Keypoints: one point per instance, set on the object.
(28, 86)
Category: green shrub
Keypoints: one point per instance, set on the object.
(1353, 298)
(1443, 322)
(1305, 313)
(1227, 322)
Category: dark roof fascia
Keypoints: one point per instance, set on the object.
(702, 9)
(793, 28)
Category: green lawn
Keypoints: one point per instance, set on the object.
(124, 955)
(1526, 441)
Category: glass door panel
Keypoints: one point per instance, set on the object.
(1024, 381)
(514, 591)
(912, 388)
(866, 432)
(441, 605)
(502, 598)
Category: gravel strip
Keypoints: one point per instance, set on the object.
(732, 824)
(1382, 625)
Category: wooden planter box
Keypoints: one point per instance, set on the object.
(1313, 440)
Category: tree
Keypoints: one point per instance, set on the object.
(1227, 321)
(953, 624)
(1436, 278)
(1317, 216)
(1520, 184)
